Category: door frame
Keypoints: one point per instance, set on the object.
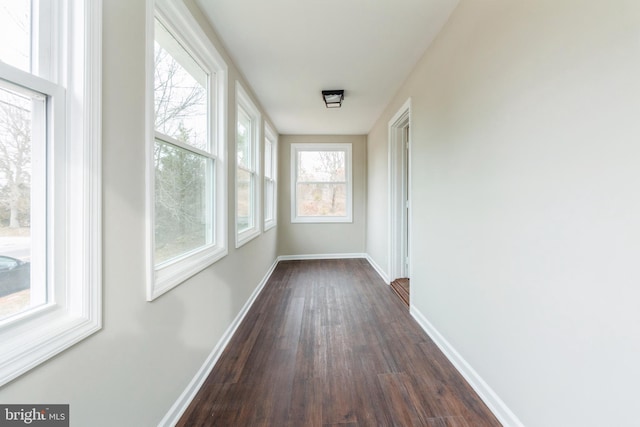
(399, 220)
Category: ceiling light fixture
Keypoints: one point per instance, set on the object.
(333, 98)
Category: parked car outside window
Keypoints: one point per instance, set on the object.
(14, 275)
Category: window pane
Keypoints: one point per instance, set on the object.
(179, 91)
(182, 209)
(17, 114)
(244, 207)
(268, 159)
(269, 200)
(248, 186)
(321, 199)
(15, 25)
(321, 166)
(243, 147)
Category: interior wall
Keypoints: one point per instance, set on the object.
(378, 194)
(525, 203)
(327, 238)
(133, 370)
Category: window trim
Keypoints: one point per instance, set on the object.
(244, 102)
(306, 146)
(271, 135)
(184, 27)
(41, 333)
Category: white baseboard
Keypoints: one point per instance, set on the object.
(488, 396)
(378, 270)
(319, 256)
(180, 406)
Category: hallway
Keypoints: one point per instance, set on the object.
(328, 343)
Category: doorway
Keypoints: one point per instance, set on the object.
(400, 201)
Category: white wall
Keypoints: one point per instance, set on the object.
(377, 243)
(338, 238)
(526, 146)
(132, 371)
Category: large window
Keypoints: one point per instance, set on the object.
(270, 177)
(23, 189)
(49, 179)
(188, 182)
(321, 183)
(248, 224)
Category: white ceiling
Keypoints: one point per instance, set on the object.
(290, 50)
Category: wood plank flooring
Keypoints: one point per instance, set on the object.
(327, 343)
(401, 288)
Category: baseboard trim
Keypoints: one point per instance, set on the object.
(486, 393)
(180, 406)
(320, 256)
(380, 271)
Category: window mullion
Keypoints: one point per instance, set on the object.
(169, 140)
(321, 182)
(42, 184)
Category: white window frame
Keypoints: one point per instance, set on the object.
(73, 236)
(272, 137)
(299, 147)
(244, 102)
(184, 27)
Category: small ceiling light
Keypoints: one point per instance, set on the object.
(333, 98)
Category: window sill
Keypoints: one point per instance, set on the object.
(171, 274)
(30, 342)
(322, 220)
(246, 236)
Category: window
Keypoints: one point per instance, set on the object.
(270, 177)
(321, 183)
(247, 171)
(187, 194)
(23, 189)
(50, 172)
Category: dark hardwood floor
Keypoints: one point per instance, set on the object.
(327, 343)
